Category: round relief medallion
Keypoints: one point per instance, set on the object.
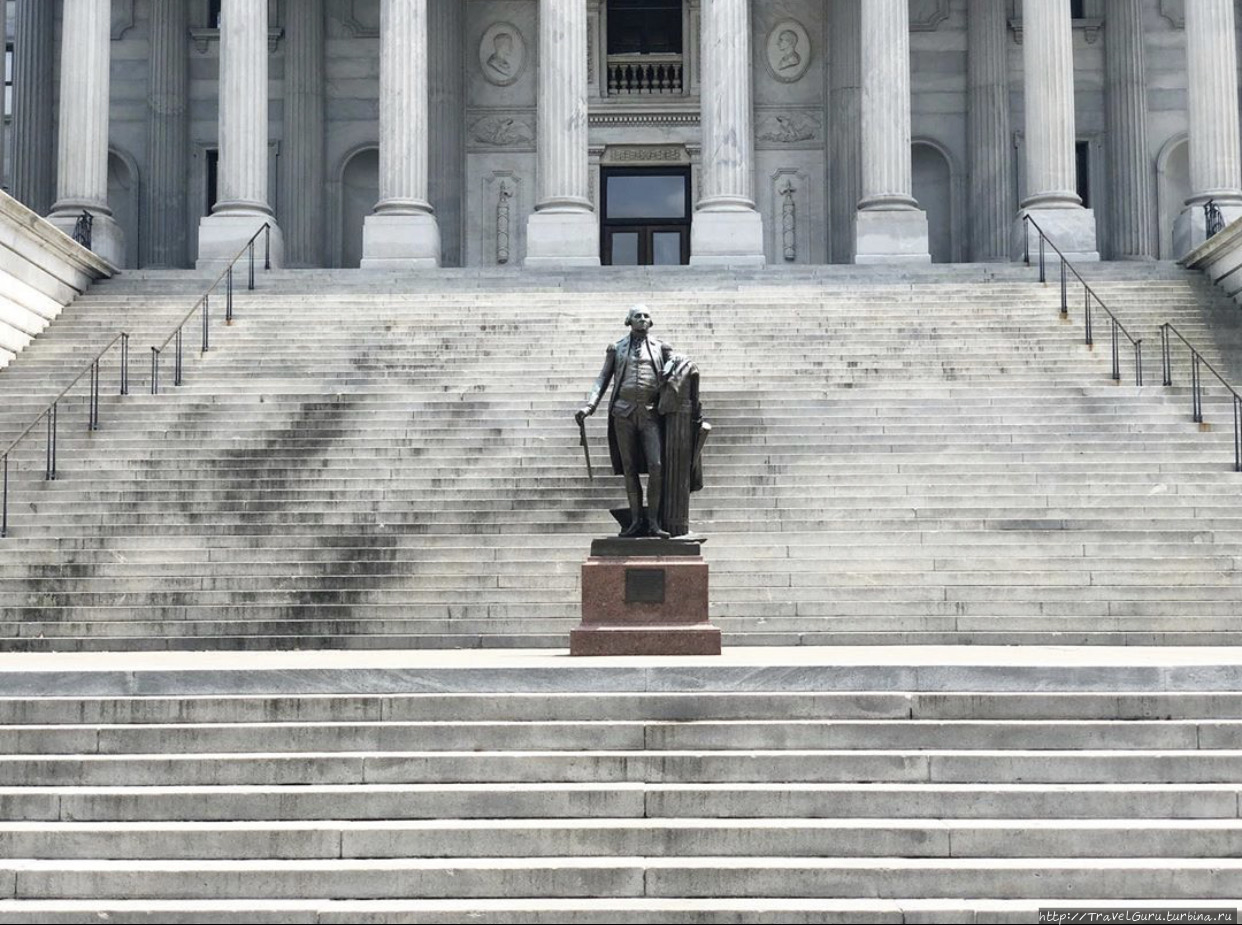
(502, 54)
(789, 51)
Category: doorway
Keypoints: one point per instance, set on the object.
(645, 219)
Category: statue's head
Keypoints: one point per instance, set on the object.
(640, 316)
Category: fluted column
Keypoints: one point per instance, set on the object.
(563, 229)
(447, 158)
(987, 118)
(402, 231)
(4, 38)
(889, 227)
(1125, 96)
(1051, 171)
(726, 228)
(1212, 96)
(31, 169)
(845, 101)
(164, 212)
(302, 159)
(82, 141)
(243, 205)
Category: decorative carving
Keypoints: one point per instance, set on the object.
(502, 54)
(1175, 12)
(501, 131)
(645, 154)
(789, 51)
(789, 220)
(122, 18)
(503, 195)
(203, 39)
(927, 15)
(361, 18)
(788, 128)
(686, 117)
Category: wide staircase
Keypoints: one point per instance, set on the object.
(374, 460)
(389, 462)
(487, 787)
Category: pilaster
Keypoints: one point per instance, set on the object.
(989, 139)
(447, 155)
(32, 105)
(726, 228)
(845, 99)
(164, 212)
(302, 202)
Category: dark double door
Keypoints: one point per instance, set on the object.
(646, 216)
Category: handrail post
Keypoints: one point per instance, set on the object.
(93, 417)
(1043, 275)
(267, 247)
(1116, 354)
(124, 363)
(50, 472)
(1196, 397)
(4, 505)
(250, 248)
(1064, 292)
(228, 305)
(1026, 240)
(1138, 363)
(177, 361)
(206, 310)
(1086, 315)
(1165, 359)
(1237, 434)
(155, 371)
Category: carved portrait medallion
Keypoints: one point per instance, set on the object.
(502, 54)
(789, 51)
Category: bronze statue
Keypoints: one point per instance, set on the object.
(655, 425)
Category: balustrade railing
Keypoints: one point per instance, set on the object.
(645, 75)
(1197, 365)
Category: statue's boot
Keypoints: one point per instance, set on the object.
(654, 527)
(636, 527)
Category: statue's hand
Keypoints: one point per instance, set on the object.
(583, 413)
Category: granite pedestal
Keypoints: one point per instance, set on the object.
(644, 596)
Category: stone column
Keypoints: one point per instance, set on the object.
(844, 116)
(4, 39)
(82, 143)
(563, 230)
(32, 105)
(402, 231)
(447, 157)
(989, 140)
(164, 212)
(889, 226)
(1125, 95)
(1051, 173)
(243, 205)
(726, 228)
(302, 206)
(1212, 94)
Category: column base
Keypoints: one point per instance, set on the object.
(107, 238)
(1190, 227)
(726, 238)
(400, 241)
(891, 236)
(556, 238)
(222, 234)
(1072, 230)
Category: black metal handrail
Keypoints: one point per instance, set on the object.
(1213, 221)
(50, 413)
(1089, 295)
(1196, 386)
(204, 303)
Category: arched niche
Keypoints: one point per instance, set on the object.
(1172, 189)
(935, 183)
(123, 201)
(359, 186)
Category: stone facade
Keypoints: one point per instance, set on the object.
(988, 112)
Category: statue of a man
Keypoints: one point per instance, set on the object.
(635, 365)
